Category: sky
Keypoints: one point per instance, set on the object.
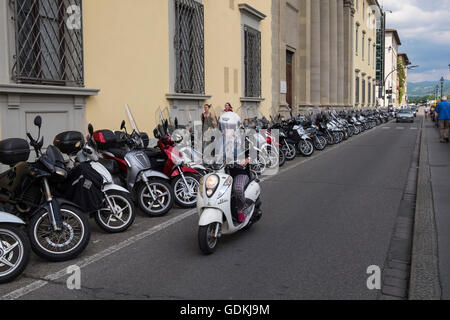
(424, 30)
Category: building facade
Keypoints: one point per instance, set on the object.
(367, 12)
(392, 43)
(179, 54)
(405, 62)
(77, 62)
(313, 54)
(41, 68)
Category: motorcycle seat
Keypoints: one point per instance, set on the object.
(110, 165)
(118, 152)
(153, 153)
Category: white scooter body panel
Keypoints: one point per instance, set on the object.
(253, 191)
(107, 178)
(9, 218)
(108, 183)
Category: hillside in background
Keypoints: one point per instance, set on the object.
(420, 89)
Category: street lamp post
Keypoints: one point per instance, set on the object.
(384, 83)
(442, 87)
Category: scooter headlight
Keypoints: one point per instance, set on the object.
(225, 187)
(211, 184)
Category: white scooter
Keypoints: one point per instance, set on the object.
(215, 206)
(14, 247)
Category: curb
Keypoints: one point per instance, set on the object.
(397, 268)
(424, 281)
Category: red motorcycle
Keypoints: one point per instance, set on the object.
(184, 179)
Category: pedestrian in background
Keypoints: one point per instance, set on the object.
(427, 110)
(443, 117)
(208, 119)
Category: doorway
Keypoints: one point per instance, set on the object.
(289, 77)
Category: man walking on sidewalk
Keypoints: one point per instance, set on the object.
(443, 116)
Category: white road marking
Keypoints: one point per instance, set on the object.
(386, 128)
(400, 128)
(16, 294)
(96, 257)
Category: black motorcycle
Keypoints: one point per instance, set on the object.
(58, 230)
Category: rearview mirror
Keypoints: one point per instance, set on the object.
(122, 125)
(156, 133)
(176, 123)
(90, 129)
(38, 121)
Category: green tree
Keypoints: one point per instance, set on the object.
(401, 78)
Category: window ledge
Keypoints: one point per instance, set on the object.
(186, 96)
(51, 90)
(251, 99)
(244, 7)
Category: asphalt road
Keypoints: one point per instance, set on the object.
(326, 220)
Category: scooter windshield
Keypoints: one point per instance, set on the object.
(131, 119)
(162, 116)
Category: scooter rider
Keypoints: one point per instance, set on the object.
(230, 123)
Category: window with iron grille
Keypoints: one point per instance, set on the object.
(189, 47)
(357, 90)
(49, 42)
(374, 94)
(363, 85)
(252, 62)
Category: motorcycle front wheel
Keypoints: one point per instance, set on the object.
(14, 252)
(62, 245)
(289, 151)
(123, 216)
(163, 201)
(206, 238)
(306, 148)
(186, 195)
(330, 139)
(320, 142)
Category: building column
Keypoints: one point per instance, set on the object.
(5, 21)
(333, 52)
(349, 77)
(340, 58)
(304, 53)
(315, 53)
(282, 53)
(325, 52)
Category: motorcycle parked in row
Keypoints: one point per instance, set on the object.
(58, 230)
(14, 247)
(184, 179)
(151, 189)
(115, 211)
